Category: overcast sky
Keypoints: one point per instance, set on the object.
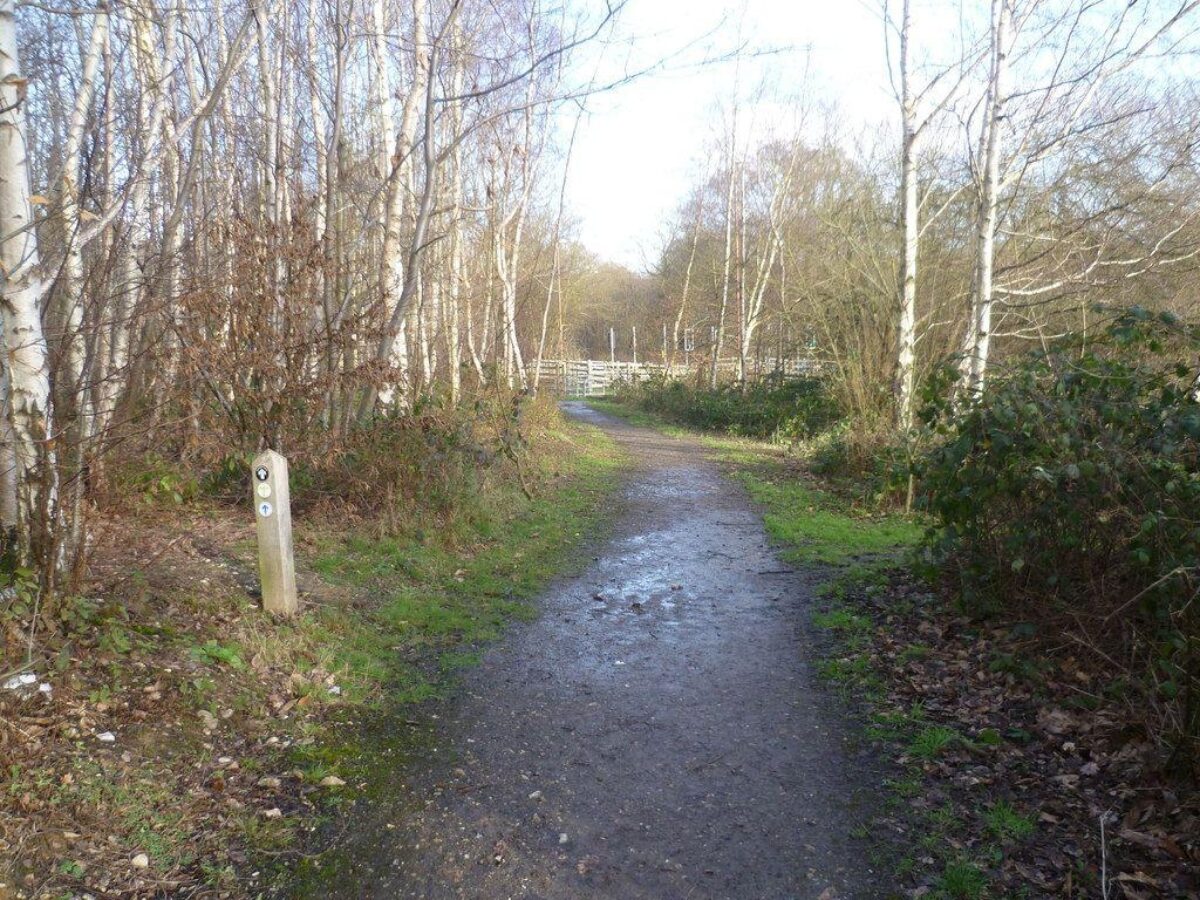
(640, 147)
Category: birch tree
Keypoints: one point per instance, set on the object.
(232, 225)
(398, 282)
(921, 103)
(1065, 97)
(28, 367)
(727, 258)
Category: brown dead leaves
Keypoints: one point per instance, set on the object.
(1040, 733)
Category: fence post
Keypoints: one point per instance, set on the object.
(273, 514)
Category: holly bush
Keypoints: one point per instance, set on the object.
(1070, 492)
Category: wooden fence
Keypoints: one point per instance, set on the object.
(596, 377)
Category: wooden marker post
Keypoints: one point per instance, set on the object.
(273, 513)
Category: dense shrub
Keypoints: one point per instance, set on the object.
(1071, 493)
(431, 466)
(413, 469)
(780, 409)
(869, 451)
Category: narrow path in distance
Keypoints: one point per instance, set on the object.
(659, 731)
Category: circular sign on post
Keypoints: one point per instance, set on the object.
(261, 473)
(264, 509)
(263, 490)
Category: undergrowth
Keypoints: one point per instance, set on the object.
(1067, 496)
(775, 408)
(222, 735)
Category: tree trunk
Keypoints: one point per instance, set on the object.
(728, 262)
(9, 507)
(910, 227)
(394, 276)
(71, 283)
(21, 294)
(978, 338)
(687, 282)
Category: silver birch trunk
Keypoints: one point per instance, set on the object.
(9, 507)
(382, 99)
(453, 322)
(687, 283)
(394, 275)
(728, 262)
(910, 229)
(978, 337)
(72, 274)
(21, 293)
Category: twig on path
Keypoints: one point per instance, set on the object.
(697, 767)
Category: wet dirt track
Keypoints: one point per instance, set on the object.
(658, 733)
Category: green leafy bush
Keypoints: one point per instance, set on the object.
(1071, 493)
(219, 654)
(156, 479)
(867, 453)
(780, 409)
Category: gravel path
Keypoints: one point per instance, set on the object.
(659, 732)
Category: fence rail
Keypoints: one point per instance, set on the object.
(595, 377)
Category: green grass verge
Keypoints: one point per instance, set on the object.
(437, 598)
(815, 529)
(635, 416)
(437, 603)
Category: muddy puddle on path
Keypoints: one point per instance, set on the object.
(659, 732)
